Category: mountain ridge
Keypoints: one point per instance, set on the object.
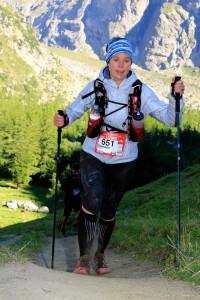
(165, 34)
(56, 73)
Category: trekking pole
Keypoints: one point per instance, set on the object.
(57, 158)
(177, 98)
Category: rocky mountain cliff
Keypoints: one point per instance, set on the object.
(31, 70)
(165, 34)
(28, 68)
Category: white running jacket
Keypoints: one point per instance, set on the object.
(150, 105)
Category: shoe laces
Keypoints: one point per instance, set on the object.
(100, 261)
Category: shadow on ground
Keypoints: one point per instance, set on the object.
(66, 254)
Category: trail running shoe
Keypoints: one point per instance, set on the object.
(100, 264)
(83, 266)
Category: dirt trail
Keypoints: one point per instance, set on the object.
(129, 279)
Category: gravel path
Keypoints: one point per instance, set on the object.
(129, 279)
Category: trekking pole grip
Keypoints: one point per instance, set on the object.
(177, 95)
(65, 117)
(60, 112)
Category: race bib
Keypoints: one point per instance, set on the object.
(110, 143)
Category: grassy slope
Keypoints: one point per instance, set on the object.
(13, 71)
(146, 223)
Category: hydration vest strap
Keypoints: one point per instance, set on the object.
(87, 95)
(100, 95)
(114, 128)
(117, 102)
(101, 100)
(99, 90)
(112, 112)
(137, 90)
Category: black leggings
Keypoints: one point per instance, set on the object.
(104, 184)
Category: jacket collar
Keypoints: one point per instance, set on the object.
(104, 75)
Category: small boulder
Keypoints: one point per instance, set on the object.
(12, 205)
(30, 206)
(43, 209)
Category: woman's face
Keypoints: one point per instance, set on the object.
(119, 66)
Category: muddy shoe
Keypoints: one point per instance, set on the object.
(83, 266)
(100, 264)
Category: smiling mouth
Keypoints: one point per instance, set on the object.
(119, 72)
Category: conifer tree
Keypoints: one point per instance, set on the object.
(23, 147)
(48, 140)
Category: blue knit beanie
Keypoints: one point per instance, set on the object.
(119, 45)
